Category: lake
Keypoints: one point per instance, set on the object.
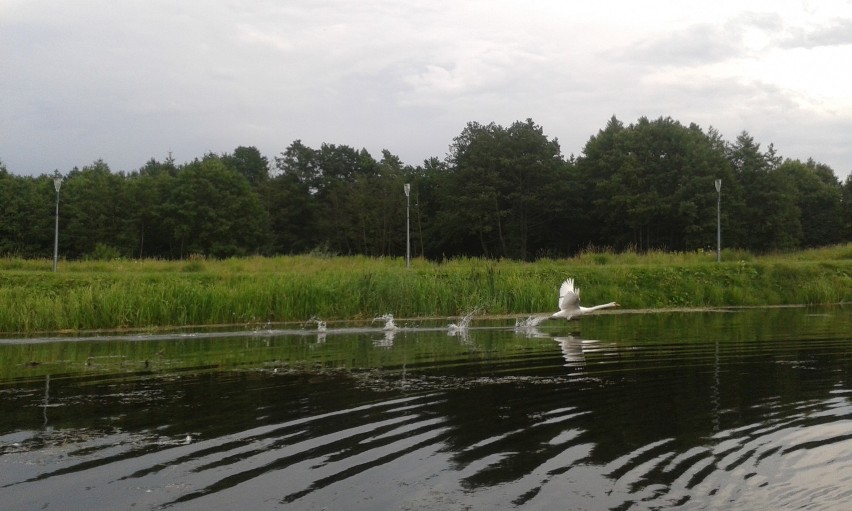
(722, 409)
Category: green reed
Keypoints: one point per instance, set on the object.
(90, 295)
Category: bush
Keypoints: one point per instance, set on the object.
(104, 252)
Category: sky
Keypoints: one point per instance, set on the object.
(130, 80)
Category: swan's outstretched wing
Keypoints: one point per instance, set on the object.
(569, 297)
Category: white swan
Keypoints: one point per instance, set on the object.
(569, 302)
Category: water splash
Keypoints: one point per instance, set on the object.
(528, 327)
(530, 322)
(390, 330)
(321, 326)
(463, 324)
(389, 324)
(459, 331)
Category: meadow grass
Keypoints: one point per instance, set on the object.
(150, 294)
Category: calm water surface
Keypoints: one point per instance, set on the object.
(748, 409)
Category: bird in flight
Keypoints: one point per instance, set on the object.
(569, 302)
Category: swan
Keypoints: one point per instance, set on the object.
(569, 302)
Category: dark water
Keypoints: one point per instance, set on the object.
(702, 410)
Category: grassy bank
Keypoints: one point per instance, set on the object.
(150, 294)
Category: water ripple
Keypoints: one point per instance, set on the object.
(499, 419)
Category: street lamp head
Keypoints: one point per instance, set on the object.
(718, 185)
(407, 188)
(57, 180)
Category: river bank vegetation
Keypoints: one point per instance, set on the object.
(255, 291)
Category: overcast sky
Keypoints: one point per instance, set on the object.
(128, 80)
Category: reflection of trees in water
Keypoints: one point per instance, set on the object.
(508, 409)
(626, 406)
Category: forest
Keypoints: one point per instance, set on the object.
(500, 192)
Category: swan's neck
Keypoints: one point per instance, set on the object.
(599, 307)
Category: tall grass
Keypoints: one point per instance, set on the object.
(90, 295)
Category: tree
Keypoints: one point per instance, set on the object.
(501, 192)
(818, 197)
(149, 190)
(291, 211)
(597, 178)
(95, 211)
(847, 207)
(693, 198)
(650, 186)
(213, 211)
(340, 182)
(250, 163)
(299, 161)
(377, 204)
(428, 236)
(772, 219)
(27, 215)
(533, 187)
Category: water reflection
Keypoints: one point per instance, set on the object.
(573, 350)
(386, 341)
(746, 410)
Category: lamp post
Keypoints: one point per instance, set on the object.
(407, 188)
(57, 184)
(718, 220)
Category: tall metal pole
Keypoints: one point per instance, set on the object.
(407, 188)
(718, 220)
(57, 183)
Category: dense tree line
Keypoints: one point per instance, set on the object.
(501, 192)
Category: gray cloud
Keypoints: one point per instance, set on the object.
(127, 81)
(838, 33)
(706, 43)
(695, 45)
